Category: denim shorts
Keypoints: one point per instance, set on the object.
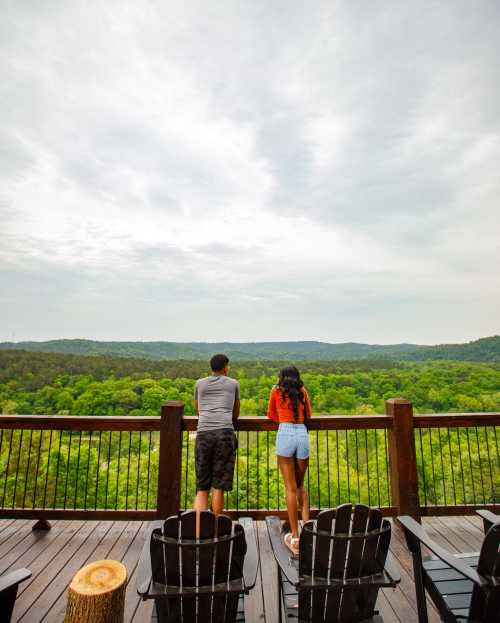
(292, 440)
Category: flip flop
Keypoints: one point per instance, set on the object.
(292, 543)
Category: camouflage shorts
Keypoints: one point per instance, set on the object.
(215, 454)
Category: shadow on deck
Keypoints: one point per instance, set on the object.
(56, 555)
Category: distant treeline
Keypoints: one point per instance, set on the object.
(37, 383)
(485, 349)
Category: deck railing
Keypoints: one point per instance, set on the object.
(143, 467)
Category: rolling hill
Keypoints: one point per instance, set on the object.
(484, 349)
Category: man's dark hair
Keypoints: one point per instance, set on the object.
(218, 363)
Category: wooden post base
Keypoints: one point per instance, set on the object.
(97, 593)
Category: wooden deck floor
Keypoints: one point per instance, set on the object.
(56, 555)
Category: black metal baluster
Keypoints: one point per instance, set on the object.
(7, 468)
(258, 470)
(423, 465)
(470, 466)
(57, 467)
(128, 468)
(87, 476)
(187, 468)
(17, 469)
(67, 469)
(375, 434)
(442, 464)
(267, 463)
(77, 467)
(149, 471)
(451, 468)
(387, 482)
(347, 462)
(118, 468)
(338, 466)
(248, 464)
(480, 465)
(37, 467)
(461, 465)
(27, 470)
(489, 465)
(357, 465)
(137, 480)
(238, 472)
(107, 472)
(47, 472)
(496, 445)
(367, 468)
(328, 469)
(98, 470)
(429, 430)
(278, 479)
(317, 470)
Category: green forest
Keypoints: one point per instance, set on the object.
(40, 383)
(58, 469)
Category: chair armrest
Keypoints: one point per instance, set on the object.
(410, 525)
(252, 558)
(280, 550)
(8, 580)
(489, 519)
(144, 572)
(391, 567)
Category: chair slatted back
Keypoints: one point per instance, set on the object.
(185, 565)
(327, 553)
(485, 602)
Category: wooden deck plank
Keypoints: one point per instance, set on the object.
(54, 557)
(400, 552)
(49, 569)
(16, 559)
(254, 601)
(65, 574)
(269, 575)
(57, 610)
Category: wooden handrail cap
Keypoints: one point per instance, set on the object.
(173, 403)
(398, 401)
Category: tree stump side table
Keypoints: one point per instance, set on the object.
(97, 593)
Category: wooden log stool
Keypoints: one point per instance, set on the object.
(97, 593)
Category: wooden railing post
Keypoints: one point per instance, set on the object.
(169, 464)
(403, 458)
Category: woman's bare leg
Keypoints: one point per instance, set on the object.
(287, 468)
(302, 496)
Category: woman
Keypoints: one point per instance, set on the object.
(289, 406)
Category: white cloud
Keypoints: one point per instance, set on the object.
(250, 171)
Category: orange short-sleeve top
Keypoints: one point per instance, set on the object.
(280, 407)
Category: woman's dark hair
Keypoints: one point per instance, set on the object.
(290, 384)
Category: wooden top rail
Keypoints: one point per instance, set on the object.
(245, 423)
(452, 420)
(317, 422)
(81, 422)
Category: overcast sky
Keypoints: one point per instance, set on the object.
(250, 170)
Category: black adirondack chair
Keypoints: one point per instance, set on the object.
(9, 583)
(199, 579)
(343, 561)
(463, 587)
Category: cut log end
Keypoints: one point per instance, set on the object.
(97, 593)
(97, 578)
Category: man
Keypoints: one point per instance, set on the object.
(217, 403)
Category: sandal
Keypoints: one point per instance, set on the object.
(292, 543)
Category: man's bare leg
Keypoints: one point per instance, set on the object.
(201, 501)
(217, 501)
